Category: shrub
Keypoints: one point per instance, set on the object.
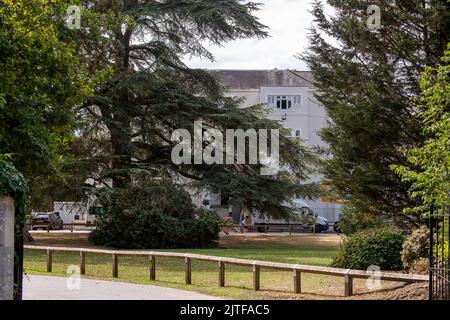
(380, 247)
(415, 249)
(203, 230)
(153, 215)
(353, 221)
(420, 266)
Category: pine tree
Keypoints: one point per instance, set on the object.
(152, 92)
(366, 80)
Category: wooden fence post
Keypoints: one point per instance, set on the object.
(152, 260)
(82, 262)
(188, 270)
(49, 260)
(221, 274)
(115, 265)
(256, 278)
(348, 284)
(297, 281)
(348, 274)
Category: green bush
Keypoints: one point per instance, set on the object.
(353, 221)
(380, 247)
(153, 215)
(415, 249)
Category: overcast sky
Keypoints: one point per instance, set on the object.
(288, 21)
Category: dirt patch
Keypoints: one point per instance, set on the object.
(415, 291)
(255, 240)
(58, 239)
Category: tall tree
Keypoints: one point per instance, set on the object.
(366, 79)
(41, 82)
(152, 93)
(429, 174)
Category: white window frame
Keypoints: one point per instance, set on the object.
(276, 101)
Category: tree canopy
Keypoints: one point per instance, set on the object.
(151, 93)
(366, 79)
(429, 174)
(41, 83)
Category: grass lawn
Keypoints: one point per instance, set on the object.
(301, 249)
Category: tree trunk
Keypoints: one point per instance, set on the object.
(18, 266)
(121, 151)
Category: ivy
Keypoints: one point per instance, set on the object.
(14, 184)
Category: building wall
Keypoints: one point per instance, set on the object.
(252, 97)
(309, 117)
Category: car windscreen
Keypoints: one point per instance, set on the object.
(40, 216)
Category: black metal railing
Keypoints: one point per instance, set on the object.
(439, 287)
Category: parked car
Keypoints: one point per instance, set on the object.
(322, 224)
(48, 220)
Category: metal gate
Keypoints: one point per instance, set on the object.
(439, 288)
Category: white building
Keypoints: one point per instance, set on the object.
(290, 94)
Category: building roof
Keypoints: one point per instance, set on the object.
(255, 79)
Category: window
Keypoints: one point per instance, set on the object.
(297, 133)
(298, 100)
(284, 102)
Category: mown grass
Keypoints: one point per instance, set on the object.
(170, 271)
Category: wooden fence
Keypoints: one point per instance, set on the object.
(266, 227)
(71, 225)
(256, 267)
(226, 228)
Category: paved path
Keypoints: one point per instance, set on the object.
(56, 288)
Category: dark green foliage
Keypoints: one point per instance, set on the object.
(41, 82)
(13, 184)
(378, 247)
(151, 93)
(153, 215)
(365, 80)
(353, 221)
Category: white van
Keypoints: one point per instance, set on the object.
(300, 208)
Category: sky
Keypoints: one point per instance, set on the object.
(288, 22)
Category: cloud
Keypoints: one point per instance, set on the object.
(288, 22)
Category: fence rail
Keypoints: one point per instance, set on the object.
(72, 225)
(226, 229)
(266, 227)
(256, 266)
